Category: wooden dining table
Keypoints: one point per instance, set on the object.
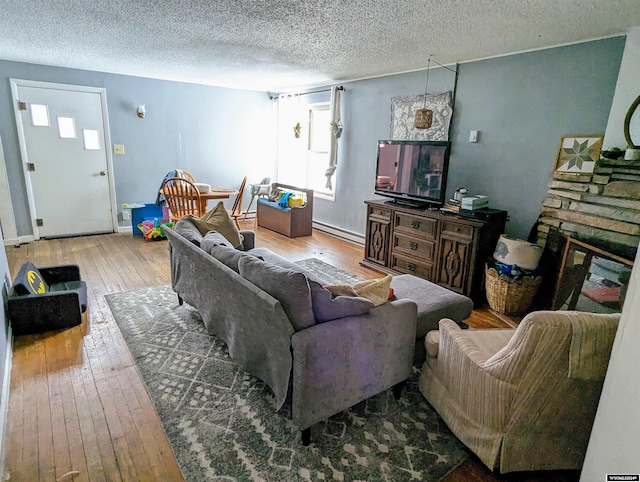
(215, 193)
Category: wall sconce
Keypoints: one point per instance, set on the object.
(142, 110)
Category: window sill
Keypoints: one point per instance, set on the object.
(324, 195)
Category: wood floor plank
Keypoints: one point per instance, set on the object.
(61, 447)
(15, 426)
(34, 380)
(100, 417)
(90, 447)
(101, 370)
(96, 409)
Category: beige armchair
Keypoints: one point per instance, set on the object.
(522, 399)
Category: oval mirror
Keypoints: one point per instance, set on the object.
(632, 125)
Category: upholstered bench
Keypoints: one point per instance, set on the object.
(434, 303)
(291, 222)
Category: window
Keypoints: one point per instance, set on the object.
(39, 115)
(91, 139)
(303, 160)
(318, 126)
(66, 128)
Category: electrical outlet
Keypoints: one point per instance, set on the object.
(118, 149)
(473, 136)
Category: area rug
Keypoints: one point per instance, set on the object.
(222, 423)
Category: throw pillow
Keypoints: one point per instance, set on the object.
(289, 287)
(211, 239)
(188, 230)
(375, 290)
(29, 281)
(326, 307)
(229, 256)
(218, 219)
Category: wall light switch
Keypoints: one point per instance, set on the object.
(473, 136)
(118, 148)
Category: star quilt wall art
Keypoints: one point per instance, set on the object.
(578, 154)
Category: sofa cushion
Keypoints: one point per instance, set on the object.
(289, 287)
(269, 256)
(217, 246)
(230, 257)
(29, 281)
(188, 230)
(375, 290)
(326, 307)
(218, 219)
(213, 238)
(434, 302)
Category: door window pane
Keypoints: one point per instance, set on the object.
(66, 128)
(91, 140)
(39, 115)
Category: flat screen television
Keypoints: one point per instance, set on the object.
(413, 172)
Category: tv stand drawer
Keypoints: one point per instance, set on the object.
(379, 213)
(414, 246)
(407, 264)
(457, 229)
(415, 225)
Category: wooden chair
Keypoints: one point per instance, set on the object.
(236, 210)
(188, 176)
(182, 198)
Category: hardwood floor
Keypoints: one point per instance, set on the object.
(76, 400)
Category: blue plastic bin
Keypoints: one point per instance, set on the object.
(148, 212)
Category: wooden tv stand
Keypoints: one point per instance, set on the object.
(446, 249)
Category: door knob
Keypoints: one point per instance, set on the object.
(102, 173)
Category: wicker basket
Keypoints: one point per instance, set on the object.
(508, 296)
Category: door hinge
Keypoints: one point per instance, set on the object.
(31, 167)
(22, 105)
(39, 222)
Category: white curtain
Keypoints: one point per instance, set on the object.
(333, 147)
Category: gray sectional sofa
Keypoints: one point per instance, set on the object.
(282, 326)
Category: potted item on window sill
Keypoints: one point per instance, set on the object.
(296, 130)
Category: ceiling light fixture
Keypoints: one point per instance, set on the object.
(424, 117)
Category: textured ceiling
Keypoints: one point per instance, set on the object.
(279, 45)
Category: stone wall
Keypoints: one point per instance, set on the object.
(602, 208)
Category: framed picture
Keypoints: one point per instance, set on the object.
(403, 110)
(578, 153)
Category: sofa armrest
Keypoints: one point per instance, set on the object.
(249, 241)
(60, 274)
(478, 346)
(461, 368)
(342, 362)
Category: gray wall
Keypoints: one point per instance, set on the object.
(218, 134)
(521, 104)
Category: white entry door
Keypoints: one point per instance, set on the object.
(63, 141)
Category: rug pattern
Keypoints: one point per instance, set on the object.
(222, 422)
